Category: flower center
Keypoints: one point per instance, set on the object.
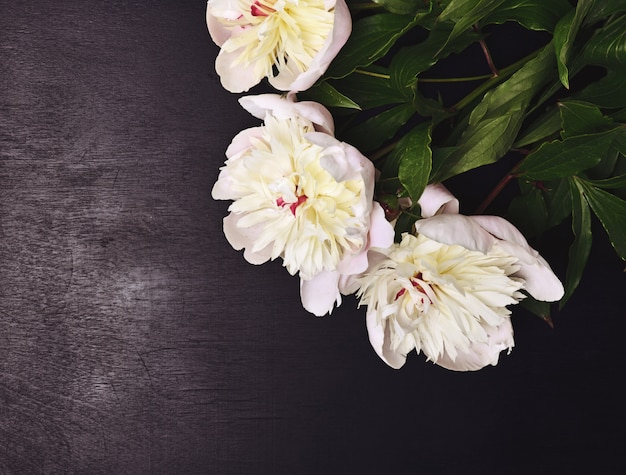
(262, 7)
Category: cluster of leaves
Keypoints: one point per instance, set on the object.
(571, 142)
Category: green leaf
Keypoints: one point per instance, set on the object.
(545, 126)
(464, 13)
(564, 158)
(402, 7)
(370, 40)
(579, 249)
(376, 130)
(564, 35)
(604, 9)
(608, 46)
(327, 95)
(557, 195)
(537, 307)
(532, 14)
(611, 211)
(404, 223)
(580, 118)
(369, 90)
(495, 121)
(608, 92)
(415, 160)
(610, 183)
(530, 223)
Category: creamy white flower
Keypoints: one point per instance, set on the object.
(437, 298)
(445, 290)
(300, 195)
(291, 42)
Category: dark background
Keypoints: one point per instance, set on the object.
(133, 339)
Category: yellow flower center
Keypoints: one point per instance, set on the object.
(437, 297)
(279, 34)
(307, 217)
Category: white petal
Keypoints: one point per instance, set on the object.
(482, 354)
(234, 79)
(541, 282)
(436, 199)
(241, 238)
(320, 293)
(381, 230)
(379, 339)
(456, 229)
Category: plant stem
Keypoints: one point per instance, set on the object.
(359, 7)
(447, 80)
(497, 189)
(487, 54)
(370, 73)
(484, 87)
(381, 152)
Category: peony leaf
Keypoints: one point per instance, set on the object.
(327, 95)
(531, 224)
(545, 126)
(402, 7)
(495, 121)
(371, 39)
(611, 211)
(370, 90)
(608, 46)
(532, 14)
(604, 9)
(557, 195)
(565, 158)
(580, 248)
(464, 13)
(376, 130)
(537, 307)
(608, 92)
(610, 183)
(564, 35)
(580, 118)
(415, 157)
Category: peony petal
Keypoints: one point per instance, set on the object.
(379, 339)
(286, 107)
(482, 354)
(244, 238)
(239, 79)
(320, 293)
(242, 141)
(381, 231)
(541, 282)
(456, 229)
(436, 199)
(291, 80)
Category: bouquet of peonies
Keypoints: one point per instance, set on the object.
(363, 209)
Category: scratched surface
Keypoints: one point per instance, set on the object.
(133, 339)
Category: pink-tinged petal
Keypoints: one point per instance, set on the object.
(379, 338)
(541, 282)
(436, 199)
(539, 279)
(225, 9)
(381, 230)
(320, 293)
(291, 80)
(242, 141)
(244, 238)
(239, 79)
(456, 229)
(286, 107)
(482, 354)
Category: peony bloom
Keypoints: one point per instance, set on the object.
(445, 290)
(301, 195)
(291, 42)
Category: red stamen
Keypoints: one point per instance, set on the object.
(260, 9)
(282, 203)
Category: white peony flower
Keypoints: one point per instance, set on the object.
(445, 290)
(301, 195)
(291, 42)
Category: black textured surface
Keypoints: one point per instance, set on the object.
(134, 340)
